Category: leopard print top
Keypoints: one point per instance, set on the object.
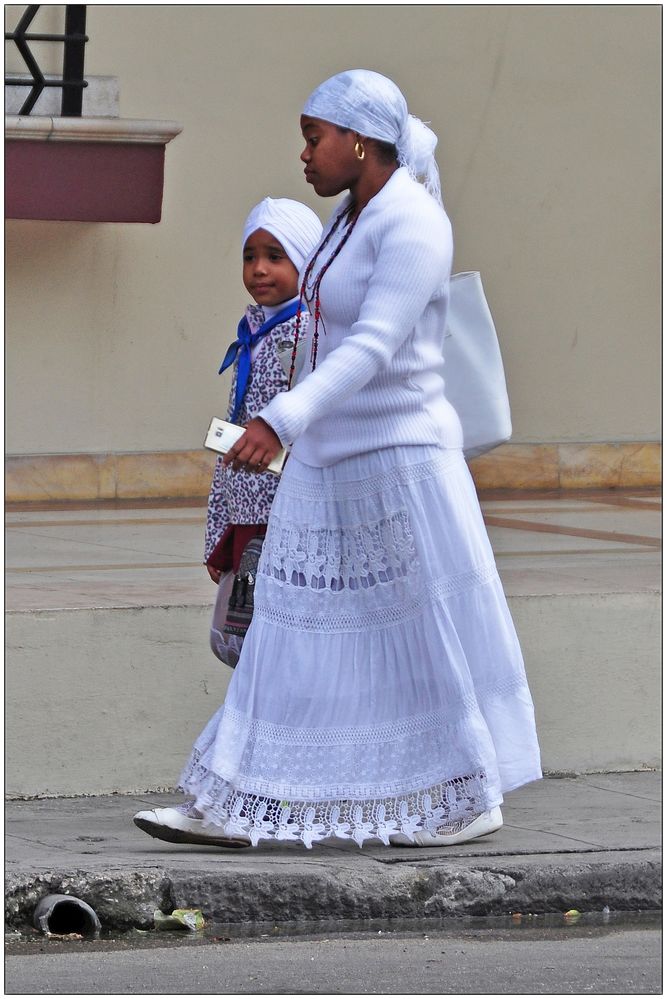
(246, 497)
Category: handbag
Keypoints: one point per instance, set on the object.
(229, 549)
(226, 648)
(473, 369)
(242, 599)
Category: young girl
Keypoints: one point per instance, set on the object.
(278, 236)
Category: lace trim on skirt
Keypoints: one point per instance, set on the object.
(260, 817)
(280, 614)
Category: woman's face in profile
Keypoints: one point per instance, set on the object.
(331, 164)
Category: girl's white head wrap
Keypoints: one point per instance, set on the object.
(295, 226)
(372, 105)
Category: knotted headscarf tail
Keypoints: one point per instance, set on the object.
(373, 105)
(295, 226)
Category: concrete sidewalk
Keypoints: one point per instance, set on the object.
(581, 843)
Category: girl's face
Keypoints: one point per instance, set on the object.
(331, 164)
(268, 273)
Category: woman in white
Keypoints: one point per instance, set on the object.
(381, 693)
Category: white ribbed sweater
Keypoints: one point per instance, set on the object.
(384, 303)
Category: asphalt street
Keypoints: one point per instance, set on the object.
(566, 961)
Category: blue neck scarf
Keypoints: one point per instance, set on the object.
(242, 346)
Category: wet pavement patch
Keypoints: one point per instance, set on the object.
(535, 926)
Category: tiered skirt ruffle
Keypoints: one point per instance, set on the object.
(381, 686)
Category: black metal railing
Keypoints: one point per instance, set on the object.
(74, 39)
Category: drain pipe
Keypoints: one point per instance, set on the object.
(63, 914)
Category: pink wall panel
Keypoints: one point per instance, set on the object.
(83, 181)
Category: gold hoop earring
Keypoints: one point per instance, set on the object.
(359, 150)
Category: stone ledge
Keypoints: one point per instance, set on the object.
(66, 477)
(181, 474)
(85, 169)
(126, 130)
(633, 464)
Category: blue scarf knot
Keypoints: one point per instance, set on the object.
(242, 347)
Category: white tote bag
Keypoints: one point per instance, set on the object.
(473, 369)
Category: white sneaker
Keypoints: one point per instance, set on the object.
(175, 826)
(481, 825)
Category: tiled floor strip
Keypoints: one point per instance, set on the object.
(111, 554)
(575, 532)
(110, 567)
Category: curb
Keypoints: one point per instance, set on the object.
(401, 888)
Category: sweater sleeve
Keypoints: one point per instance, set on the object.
(413, 261)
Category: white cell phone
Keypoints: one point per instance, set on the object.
(222, 435)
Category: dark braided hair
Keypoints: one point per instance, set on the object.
(387, 152)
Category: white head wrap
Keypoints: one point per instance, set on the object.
(295, 226)
(372, 105)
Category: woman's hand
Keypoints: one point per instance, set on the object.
(215, 574)
(256, 449)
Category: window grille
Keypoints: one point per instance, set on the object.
(72, 80)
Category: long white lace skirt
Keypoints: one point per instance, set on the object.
(381, 686)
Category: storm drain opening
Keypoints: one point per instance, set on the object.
(62, 915)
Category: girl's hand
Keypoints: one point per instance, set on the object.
(215, 574)
(256, 449)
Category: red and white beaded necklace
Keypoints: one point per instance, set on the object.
(313, 295)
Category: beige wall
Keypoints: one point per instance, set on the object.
(548, 118)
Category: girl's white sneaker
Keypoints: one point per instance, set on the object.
(481, 825)
(174, 826)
